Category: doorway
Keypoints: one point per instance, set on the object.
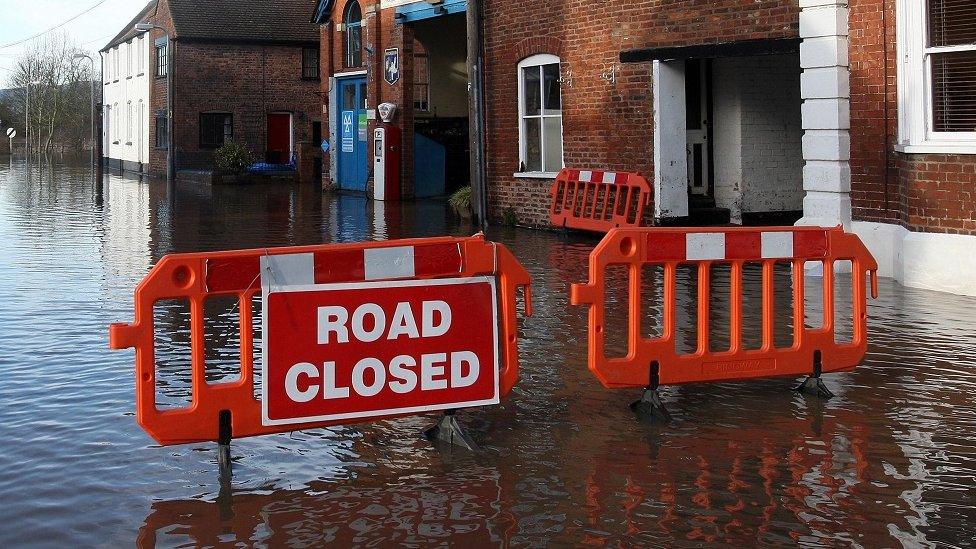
(279, 138)
(698, 106)
(351, 128)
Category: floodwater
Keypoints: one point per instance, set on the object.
(889, 461)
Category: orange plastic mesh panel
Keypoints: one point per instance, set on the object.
(598, 200)
(669, 249)
(195, 277)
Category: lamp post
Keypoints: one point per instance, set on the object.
(91, 83)
(145, 27)
(27, 118)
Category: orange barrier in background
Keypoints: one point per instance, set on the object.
(196, 277)
(654, 361)
(598, 200)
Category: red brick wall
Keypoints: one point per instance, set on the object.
(157, 87)
(930, 192)
(604, 125)
(248, 80)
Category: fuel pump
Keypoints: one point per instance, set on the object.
(387, 152)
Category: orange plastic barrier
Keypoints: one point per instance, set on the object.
(655, 361)
(598, 200)
(199, 276)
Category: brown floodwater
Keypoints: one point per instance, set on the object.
(889, 461)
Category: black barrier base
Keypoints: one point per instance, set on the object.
(814, 385)
(449, 431)
(650, 405)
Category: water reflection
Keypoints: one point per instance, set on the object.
(889, 461)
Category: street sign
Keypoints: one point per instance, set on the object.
(374, 349)
(11, 133)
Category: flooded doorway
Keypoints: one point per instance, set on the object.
(440, 105)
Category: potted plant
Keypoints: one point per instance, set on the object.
(460, 202)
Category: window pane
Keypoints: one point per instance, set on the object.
(533, 145)
(550, 74)
(954, 92)
(354, 46)
(553, 128)
(952, 22)
(348, 98)
(531, 91)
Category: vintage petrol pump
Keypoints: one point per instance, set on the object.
(387, 151)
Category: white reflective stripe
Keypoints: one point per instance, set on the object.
(381, 263)
(705, 246)
(777, 245)
(585, 176)
(609, 177)
(287, 270)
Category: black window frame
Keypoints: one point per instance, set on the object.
(162, 60)
(213, 126)
(310, 71)
(162, 131)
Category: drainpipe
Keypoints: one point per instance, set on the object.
(479, 195)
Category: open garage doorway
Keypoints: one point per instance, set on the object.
(440, 105)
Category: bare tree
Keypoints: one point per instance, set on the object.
(59, 116)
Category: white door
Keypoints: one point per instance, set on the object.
(697, 97)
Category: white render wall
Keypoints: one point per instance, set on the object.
(126, 139)
(757, 134)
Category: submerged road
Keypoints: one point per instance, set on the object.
(889, 461)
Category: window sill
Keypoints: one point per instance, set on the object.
(312, 78)
(535, 175)
(936, 147)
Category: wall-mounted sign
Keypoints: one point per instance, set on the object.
(347, 131)
(391, 66)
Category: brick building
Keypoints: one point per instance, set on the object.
(406, 52)
(749, 112)
(246, 71)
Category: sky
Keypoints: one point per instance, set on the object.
(23, 18)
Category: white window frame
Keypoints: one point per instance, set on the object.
(128, 123)
(915, 134)
(537, 61)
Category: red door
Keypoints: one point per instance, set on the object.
(279, 138)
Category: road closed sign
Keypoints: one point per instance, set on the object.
(373, 349)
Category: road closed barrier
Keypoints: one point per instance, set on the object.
(594, 200)
(652, 361)
(350, 332)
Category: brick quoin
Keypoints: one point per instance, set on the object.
(921, 192)
(605, 126)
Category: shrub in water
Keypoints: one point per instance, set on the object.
(232, 158)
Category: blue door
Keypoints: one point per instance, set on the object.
(351, 127)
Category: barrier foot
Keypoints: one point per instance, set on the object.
(814, 385)
(223, 444)
(650, 405)
(449, 431)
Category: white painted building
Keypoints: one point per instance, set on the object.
(126, 78)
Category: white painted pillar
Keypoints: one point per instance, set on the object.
(826, 111)
(670, 140)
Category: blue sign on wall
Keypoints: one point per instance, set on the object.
(347, 131)
(391, 66)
